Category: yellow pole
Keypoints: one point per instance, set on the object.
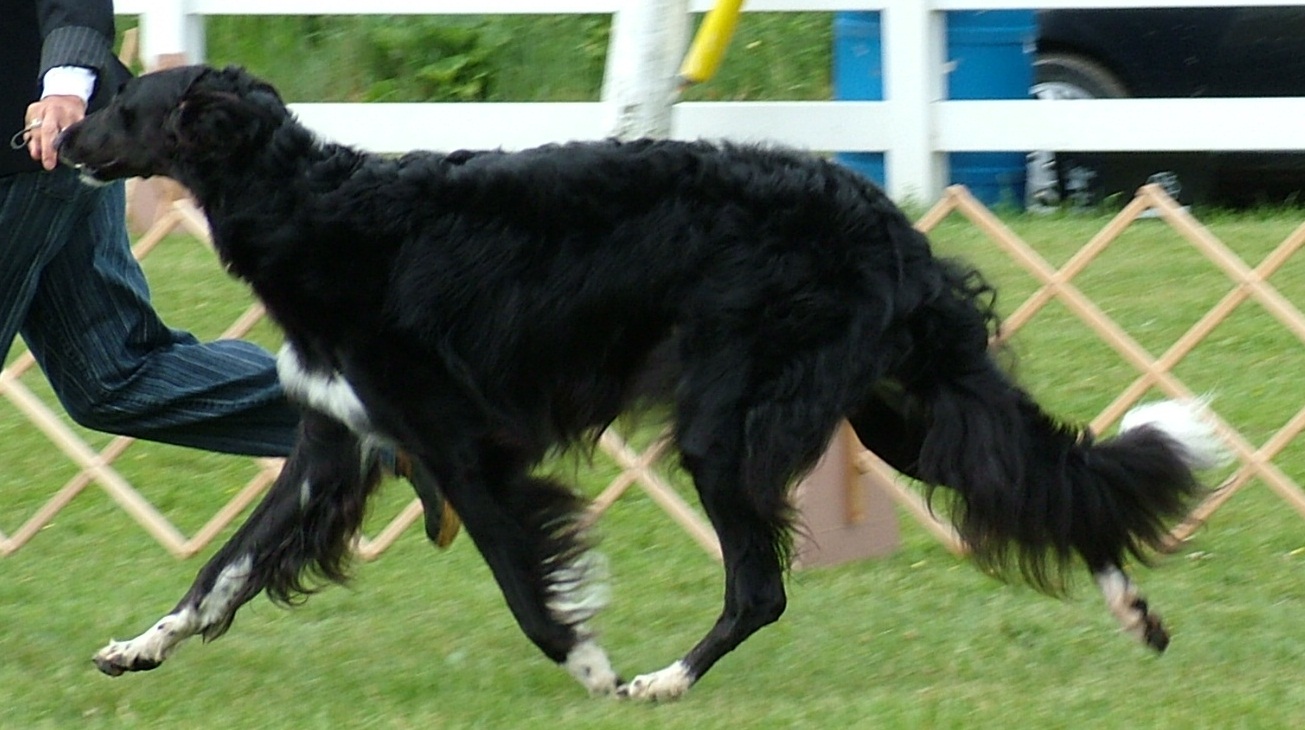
(708, 47)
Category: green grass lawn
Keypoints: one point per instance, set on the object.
(919, 639)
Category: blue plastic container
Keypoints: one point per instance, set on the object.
(859, 76)
(992, 56)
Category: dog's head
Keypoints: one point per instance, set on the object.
(167, 122)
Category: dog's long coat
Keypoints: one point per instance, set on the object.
(481, 309)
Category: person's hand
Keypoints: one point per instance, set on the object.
(45, 120)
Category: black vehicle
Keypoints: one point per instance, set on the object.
(1170, 52)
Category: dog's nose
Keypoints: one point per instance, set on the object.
(62, 145)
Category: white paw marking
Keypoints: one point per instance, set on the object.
(668, 684)
(1123, 600)
(588, 663)
(150, 648)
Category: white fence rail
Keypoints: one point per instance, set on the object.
(913, 125)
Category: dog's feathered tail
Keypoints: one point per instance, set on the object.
(1030, 491)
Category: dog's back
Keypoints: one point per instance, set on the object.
(554, 273)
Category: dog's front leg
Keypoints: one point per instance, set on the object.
(211, 602)
(303, 525)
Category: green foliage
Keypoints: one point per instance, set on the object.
(498, 58)
(774, 56)
(551, 58)
(424, 59)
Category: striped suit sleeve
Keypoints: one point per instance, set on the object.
(76, 33)
(75, 46)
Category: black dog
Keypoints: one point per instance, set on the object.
(480, 309)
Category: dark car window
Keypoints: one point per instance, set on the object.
(1182, 52)
(1262, 53)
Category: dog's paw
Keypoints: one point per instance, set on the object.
(670, 683)
(1131, 610)
(588, 663)
(147, 651)
(119, 657)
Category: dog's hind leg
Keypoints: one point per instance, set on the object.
(1129, 608)
(742, 474)
(754, 589)
(303, 525)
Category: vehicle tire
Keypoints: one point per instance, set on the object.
(1070, 76)
(1050, 181)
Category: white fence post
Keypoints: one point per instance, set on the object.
(169, 30)
(647, 42)
(914, 48)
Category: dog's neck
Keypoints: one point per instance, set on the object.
(273, 172)
(291, 172)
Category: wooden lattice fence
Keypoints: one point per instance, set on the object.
(645, 468)
(1246, 283)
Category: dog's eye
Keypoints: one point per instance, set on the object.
(127, 115)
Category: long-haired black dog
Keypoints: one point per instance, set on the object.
(480, 309)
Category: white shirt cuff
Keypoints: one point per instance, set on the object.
(68, 81)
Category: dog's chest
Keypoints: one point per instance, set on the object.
(327, 391)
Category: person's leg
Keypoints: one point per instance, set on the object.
(68, 280)
(117, 368)
(33, 221)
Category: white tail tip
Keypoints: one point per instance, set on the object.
(1185, 422)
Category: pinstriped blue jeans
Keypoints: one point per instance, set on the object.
(70, 287)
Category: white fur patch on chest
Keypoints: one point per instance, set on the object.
(329, 393)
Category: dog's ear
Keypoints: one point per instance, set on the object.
(182, 78)
(223, 113)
